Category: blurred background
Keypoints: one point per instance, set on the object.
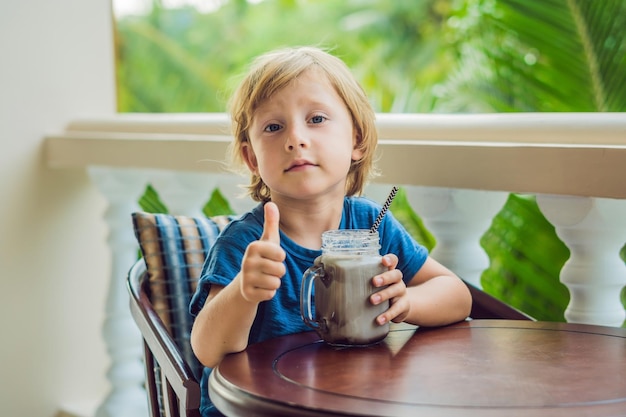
(431, 56)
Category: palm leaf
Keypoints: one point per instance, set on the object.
(549, 55)
(217, 205)
(150, 201)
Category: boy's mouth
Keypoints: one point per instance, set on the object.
(300, 164)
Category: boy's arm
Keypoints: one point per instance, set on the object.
(435, 296)
(224, 322)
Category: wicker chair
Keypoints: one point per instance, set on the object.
(171, 381)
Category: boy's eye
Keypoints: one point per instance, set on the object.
(272, 127)
(317, 119)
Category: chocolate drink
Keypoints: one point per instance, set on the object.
(342, 306)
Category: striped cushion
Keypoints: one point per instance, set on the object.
(174, 249)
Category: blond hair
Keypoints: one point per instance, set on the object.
(274, 70)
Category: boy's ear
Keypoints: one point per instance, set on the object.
(247, 154)
(357, 154)
(357, 151)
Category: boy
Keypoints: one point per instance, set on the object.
(305, 130)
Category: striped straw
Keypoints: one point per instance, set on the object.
(379, 219)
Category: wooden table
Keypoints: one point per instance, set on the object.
(474, 368)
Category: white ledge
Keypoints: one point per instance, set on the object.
(566, 128)
(582, 154)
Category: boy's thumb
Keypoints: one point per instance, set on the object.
(271, 231)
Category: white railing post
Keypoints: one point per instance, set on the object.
(127, 398)
(594, 229)
(458, 219)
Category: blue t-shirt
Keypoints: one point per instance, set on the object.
(281, 315)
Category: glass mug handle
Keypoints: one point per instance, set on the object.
(305, 295)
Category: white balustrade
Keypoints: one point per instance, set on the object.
(182, 193)
(458, 218)
(127, 398)
(594, 229)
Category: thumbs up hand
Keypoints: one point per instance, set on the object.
(262, 266)
(271, 232)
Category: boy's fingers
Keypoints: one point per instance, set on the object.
(271, 231)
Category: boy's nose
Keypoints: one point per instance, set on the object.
(295, 139)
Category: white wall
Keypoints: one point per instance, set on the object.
(56, 63)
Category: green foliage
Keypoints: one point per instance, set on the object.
(549, 56)
(150, 201)
(179, 60)
(217, 205)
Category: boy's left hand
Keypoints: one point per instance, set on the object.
(395, 292)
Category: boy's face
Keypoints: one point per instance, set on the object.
(302, 140)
